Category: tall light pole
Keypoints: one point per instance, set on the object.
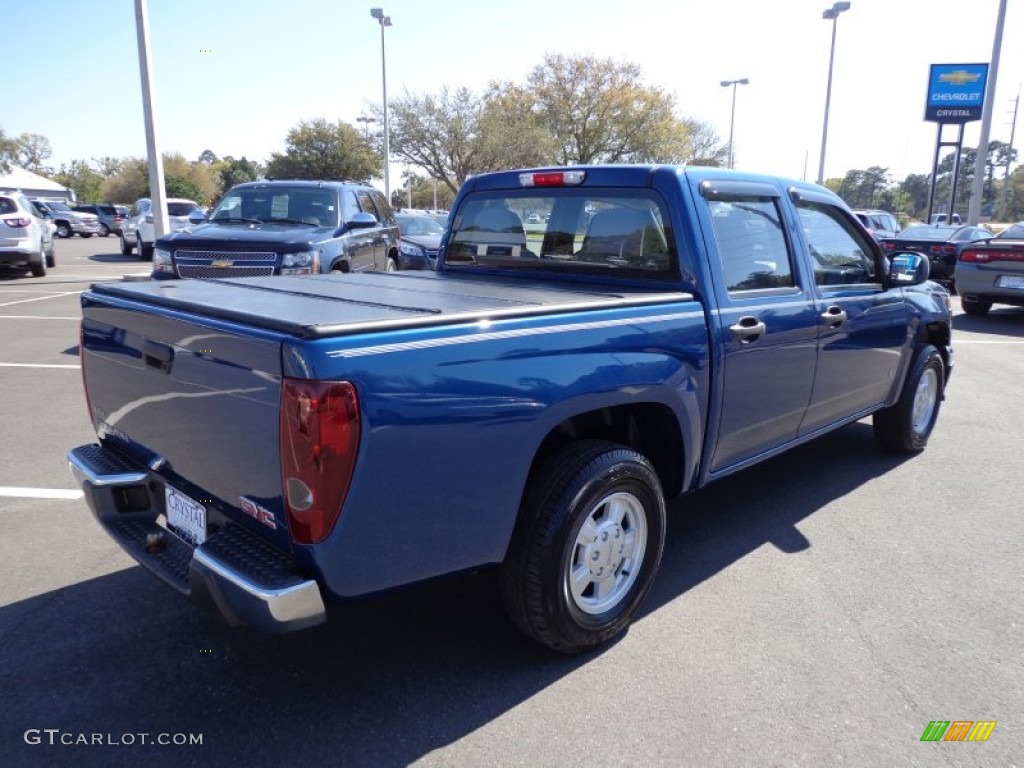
(833, 14)
(385, 21)
(732, 118)
(366, 120)
(974, 209)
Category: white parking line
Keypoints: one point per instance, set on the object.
(40, 493)
(39, 298)
(38, 365)
(957, 342)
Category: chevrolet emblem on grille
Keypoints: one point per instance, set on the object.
(222, 263)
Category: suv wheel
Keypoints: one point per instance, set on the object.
(145, 250)
(64, 229)
(126, 250)
(104, 230)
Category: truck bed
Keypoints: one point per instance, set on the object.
(337, 305)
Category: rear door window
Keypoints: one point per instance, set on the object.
(751, 243)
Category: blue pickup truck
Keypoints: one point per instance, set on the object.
(283, 443)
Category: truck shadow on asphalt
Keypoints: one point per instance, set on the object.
(117, 258)
(1000, 321)
(389, 679)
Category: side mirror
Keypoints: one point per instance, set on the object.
(196, 217)
(908, 269)
(362, 220)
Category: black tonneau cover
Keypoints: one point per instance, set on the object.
(334, 305)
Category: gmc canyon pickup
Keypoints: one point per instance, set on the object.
(282, 443)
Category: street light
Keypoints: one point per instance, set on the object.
(833, 14)
(732, 119)
(366, 120)
(385, 21)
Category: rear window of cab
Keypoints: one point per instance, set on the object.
(584, 230)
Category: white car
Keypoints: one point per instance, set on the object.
(26, 238)
(138, 230)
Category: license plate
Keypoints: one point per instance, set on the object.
(1007, 281)
(185, 515)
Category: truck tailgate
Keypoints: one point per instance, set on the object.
(197, 401)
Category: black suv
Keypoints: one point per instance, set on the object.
(284, 227)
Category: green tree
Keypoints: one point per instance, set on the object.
(8, 152)
(206, 157)
(182, 186)
(33, 150)
(108, 166)
(599, 111)
(83, 179)
(318, 149)
(228, 171)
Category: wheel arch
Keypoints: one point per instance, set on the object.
(649, 428)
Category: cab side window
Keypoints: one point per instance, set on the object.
(751, 243)
(366, 203)
(839, 253)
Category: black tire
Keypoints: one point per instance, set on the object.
(87, 234)
(64, 230)
(145, 250)
(126, 250)
(38, 269)
(51, 256)
(595, 481)
(104, 230)
(975, 306)
(906, 426)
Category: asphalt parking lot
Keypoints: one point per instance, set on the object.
(819, 609)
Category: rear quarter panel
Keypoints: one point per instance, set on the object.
(453, 417)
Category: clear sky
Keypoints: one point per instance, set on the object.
(234, 75)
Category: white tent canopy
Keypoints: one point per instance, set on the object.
(34, 185)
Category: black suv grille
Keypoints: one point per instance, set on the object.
(214, 264)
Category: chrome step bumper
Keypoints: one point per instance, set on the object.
(250, 582)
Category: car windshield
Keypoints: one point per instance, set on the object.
(60, 207)
(180, 209)
(418, 225)
(926, 232)
(308, 205)
(1015, 232)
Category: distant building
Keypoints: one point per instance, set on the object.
(33, 185)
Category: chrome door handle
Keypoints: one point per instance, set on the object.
(747, 329)
(833, 317)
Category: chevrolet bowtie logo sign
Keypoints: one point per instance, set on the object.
(959, 77)
(222, 263)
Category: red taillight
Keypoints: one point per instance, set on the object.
(552, 179)
(18, 223)
(984, 257)
(888, 246)
(319, 440)
(940, 249)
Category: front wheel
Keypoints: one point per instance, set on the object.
(587, 545)
(906, 426)
(145, 250)
(104, 230)
(126, 249)
(64, 230)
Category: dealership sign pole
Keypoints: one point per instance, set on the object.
(956, 95)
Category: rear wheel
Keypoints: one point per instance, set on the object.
(126, 249)
(38, 268)
(906, 426)
(50, 256)
(587, 545)
(975, 306)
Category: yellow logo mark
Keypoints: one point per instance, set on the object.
(223, 263)
(959, 77)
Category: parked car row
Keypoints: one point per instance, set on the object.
(138, 231)
(942, 244)
(69, 222)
